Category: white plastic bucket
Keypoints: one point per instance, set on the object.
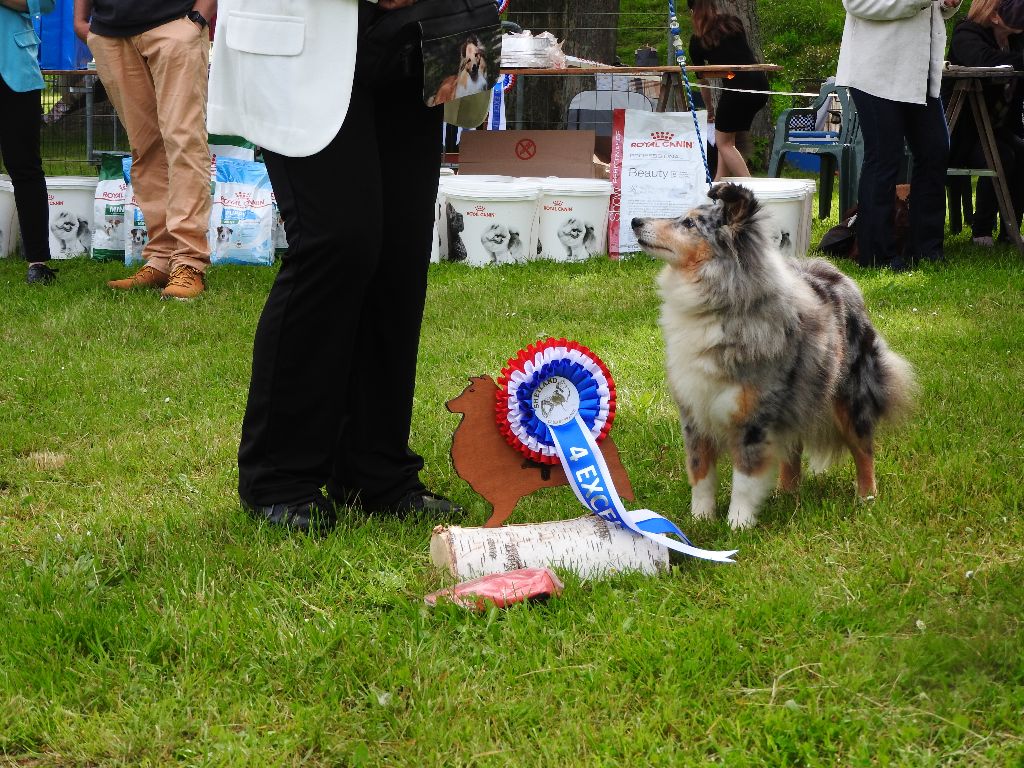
(8, 218)
(491, 223)
(573, 223)
(71, 207)
(439, 249)
(438, 244)
(788, 201)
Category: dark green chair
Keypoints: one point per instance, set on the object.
(840, 151)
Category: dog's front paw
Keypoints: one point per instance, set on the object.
(702, 508)
(702, 499)
(740, 519)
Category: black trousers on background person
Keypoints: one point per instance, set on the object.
(886, 125)
(334, 359)
(1011, 155)
(22, 114)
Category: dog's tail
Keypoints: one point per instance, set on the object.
(899, 385)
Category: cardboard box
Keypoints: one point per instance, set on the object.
(569, 154)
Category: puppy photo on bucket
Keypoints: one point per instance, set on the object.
(72, 235)
(503, 245)
(456, 248)
(766, 356)
(578, 239)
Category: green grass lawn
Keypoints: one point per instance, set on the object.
(144, 620)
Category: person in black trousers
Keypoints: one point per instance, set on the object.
(334, 359)
(21, 84)
(891, 59)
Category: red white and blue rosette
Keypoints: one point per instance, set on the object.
(552, 362)
(555, 402)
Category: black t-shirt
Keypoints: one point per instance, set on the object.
(123, 18)
(731, 49)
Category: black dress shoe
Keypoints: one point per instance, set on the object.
(422, 502)
(40, 273)
(314, 516)
(413, 503)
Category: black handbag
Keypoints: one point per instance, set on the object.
(455, 44)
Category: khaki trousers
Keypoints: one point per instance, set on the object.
(157, 83)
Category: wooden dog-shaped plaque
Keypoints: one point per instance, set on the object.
(495, 469)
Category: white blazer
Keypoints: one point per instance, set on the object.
(894, 49)
(282, 73)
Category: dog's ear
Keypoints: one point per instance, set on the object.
(738, 202)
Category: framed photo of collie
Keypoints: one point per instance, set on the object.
(461, 64)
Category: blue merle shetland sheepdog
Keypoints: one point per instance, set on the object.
(766, 356)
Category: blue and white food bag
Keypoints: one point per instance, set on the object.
(229, 146)
(242, 215)
(108, 237)
(136, 235)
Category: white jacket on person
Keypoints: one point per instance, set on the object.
(282, 71)
(894, 49)
(282, 74)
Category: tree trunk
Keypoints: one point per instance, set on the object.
(587, 29)
(588, 546)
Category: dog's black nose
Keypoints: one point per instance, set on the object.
(637, 223)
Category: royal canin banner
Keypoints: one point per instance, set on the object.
(656, 170)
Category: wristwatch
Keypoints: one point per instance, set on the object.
(196, 18)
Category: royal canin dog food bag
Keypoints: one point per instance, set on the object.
(108, 237)
(229, 146)
(135, 233)
(242, 216)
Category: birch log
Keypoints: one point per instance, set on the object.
(587, 546)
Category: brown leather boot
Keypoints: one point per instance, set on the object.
(185, 283)
(147, 277)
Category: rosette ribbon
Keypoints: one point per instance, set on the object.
(556, 400)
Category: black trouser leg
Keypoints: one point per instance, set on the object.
(335, 348)
(19, 144)
(372, 458)
(928, 139)
(886, 125)
(881, 125)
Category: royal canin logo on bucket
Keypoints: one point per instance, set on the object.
(480, 210)
(662, 140)
(558, 206)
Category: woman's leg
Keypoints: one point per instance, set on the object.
(928, 138)
(19, 145)
(305, 341)
(881, 124)
(372, 460)
(730, 159)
